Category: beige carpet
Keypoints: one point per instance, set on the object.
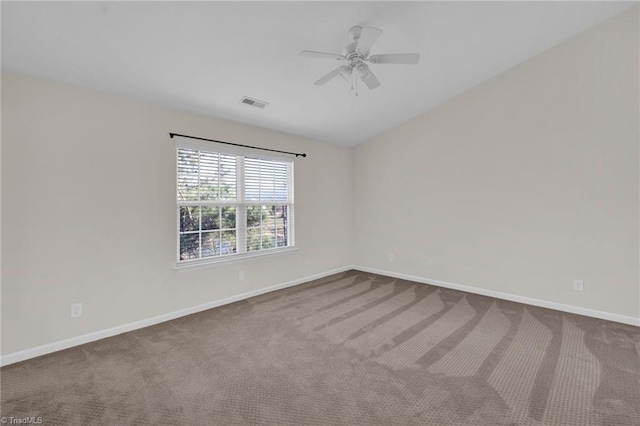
(351, 349)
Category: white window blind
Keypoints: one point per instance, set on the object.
(230, 205)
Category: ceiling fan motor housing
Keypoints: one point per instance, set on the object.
(350, 50)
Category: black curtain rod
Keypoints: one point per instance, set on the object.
(237, 144)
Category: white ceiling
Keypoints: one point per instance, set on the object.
(205, 56)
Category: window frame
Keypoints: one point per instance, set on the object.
(240, 202)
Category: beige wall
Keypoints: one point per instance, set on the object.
(520, 185)
(88, 212)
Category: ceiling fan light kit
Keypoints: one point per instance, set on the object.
(356, 53)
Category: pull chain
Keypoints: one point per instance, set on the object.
(356, 78)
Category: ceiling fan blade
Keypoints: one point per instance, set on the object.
(368, 36)
(323, 55)
(345, 73)
(367, 76)
(395, 58)
(324, 79)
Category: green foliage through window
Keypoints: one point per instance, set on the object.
(222, 211)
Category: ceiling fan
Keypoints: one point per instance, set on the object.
(356, 53)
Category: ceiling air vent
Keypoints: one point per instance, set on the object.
(254, 102)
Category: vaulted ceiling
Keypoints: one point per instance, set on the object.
(205, 56)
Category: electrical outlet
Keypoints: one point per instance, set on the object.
(241, 276)
(578, 285)
(391, 257)
(76, 310)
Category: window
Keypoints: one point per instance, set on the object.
(231, 205)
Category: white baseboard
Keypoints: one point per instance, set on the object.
(508, 296)
(97, 335)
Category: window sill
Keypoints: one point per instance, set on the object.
(225, 260)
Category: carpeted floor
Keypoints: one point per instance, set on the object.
(350, 349)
